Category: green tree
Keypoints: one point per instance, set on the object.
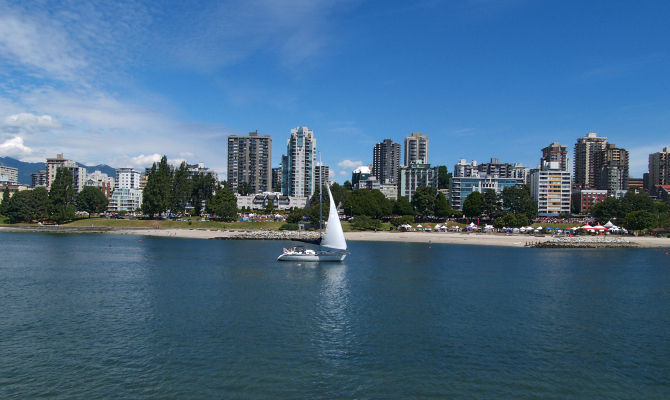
(318, 205)
(423, 200)
(347, 186)
(5, 201)
(365, 223)
(223, 204)
(609, 208)
(371, 203)
(270, 207)
(402, 206)
(62, 196)
(509, 220)
(490, 205)
(338, 193)
(443, 177)
(245, 188)
(472, 206)
(639, 220)
(180, 189)
(156, 194)
(202, 190)
(519, 201)
(295, 216)
(92, 200)
(442, 208)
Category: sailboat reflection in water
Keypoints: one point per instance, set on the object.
(332, 245)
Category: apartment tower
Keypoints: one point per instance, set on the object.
(386, 161)
(587, 157)
(298, 163)
(416, 149)
(659, 168)
(250, 161)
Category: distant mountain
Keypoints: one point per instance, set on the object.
(26, 169)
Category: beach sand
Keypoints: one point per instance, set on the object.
(482, 239)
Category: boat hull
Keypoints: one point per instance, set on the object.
(324, 256)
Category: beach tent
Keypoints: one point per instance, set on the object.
(428, 228)
(587, 227)
(599, 228)
(609, 224)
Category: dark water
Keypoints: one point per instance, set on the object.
(91, 316)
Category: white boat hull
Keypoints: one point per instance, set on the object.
(320, 256)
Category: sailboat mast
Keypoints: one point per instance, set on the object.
(320, 198)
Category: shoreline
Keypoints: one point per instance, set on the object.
(478, 239)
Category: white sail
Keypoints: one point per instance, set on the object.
(333, 237)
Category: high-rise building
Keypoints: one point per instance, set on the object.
(415, 175)
(78, 173)
(9, 175)
(659, 169)
(321, 175)
(39, 178)
(276, 179)
(613, 169)
(588, 151)
(416, 148)
(386, 161)
(556, 152)
(492, 169)
(127, 178)
(298, 163)
(550, 187)
(250, 161)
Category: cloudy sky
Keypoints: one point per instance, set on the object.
(124, 82)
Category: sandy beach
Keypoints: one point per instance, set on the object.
(481, 239)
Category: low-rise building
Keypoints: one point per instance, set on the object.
(12, 190)
(261, 201)
(584, 199)
(125, 199)
(101, 181)
(461, 187)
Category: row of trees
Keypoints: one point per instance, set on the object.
(173, 190)
(635, 211)
(58, 204)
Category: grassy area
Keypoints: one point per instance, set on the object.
(195, 223)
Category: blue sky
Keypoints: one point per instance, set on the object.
(125, 82)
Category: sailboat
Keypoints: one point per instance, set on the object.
(332, 245)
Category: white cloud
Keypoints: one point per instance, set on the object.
(349, 164)
(343, 173)
(14, 147)
(37, 45)
(143, 161)
(30, 122)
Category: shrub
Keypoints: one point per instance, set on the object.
(364, 223)
(289, 227)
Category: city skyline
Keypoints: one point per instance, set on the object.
(123, 85)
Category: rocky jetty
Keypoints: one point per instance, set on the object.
(585, 242)
(265, 235)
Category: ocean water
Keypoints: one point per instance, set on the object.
(107, 316)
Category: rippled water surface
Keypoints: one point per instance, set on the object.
(91, 316)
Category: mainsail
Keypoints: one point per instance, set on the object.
(333, 237)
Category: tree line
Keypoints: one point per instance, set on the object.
(59, 204)
(173, 190)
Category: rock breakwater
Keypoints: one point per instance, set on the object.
(585, 242)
